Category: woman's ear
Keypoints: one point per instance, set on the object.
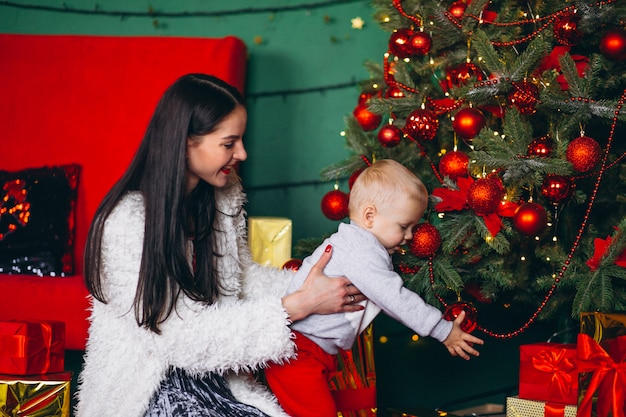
(368, 213)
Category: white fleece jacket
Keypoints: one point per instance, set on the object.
(125, 364)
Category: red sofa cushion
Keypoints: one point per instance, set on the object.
(88, 100)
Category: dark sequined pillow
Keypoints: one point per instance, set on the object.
(37, 216)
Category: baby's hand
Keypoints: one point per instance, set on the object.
(460, 343)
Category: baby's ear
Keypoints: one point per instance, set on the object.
(368, 214)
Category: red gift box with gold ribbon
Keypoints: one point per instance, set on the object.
(601, 360)
(548, 373)
(28, 348)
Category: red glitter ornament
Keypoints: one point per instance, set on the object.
(421, 125)
(390, 135)
(613, 45)
(583, 153)
(524, 96)
(541, 146)
(566, 29)
(457, 9)
(468, 122)
(292, 264)
(454, 164)
(530, 218)
(420, 43)
(426, 240)
(556, 188)
(453, 310)
(399, 43)
(484, 195)
(367, 120)
(460, 74)
(335, 205)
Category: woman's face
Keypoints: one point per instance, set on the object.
(211, 157)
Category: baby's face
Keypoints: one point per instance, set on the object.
(394, 222)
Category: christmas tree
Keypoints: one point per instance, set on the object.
(511, 113)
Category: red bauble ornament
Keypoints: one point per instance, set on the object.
(394, 92)
(367, 120)
(530, 218)
(453, 310)
(583, 153)
(541, 146)
(525, 97)
(421, 125)
(420, 43)
(363, 97)
(454, 164)
(613, 45)
(484, 195)
(335, 205)
(389, 135)
(566, 29)
(457, 9)
(556, 188)
(354, 176)
(399, 43)
(460, 74)
(468, 122)
(293, 264)
(426, 240)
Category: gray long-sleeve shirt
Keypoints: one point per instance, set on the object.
(360, 257)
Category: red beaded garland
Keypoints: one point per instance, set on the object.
(367, 119)
(468, 122)
(454, 164)
(421, 125)
(335, 205)
(426, 240)
(583, 153)
(390, 135)
(530, 218)
(484, 195)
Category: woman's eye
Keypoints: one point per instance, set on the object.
(229, 145)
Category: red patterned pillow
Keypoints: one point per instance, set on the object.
(37, 216)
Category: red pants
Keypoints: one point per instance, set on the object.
(301, 385)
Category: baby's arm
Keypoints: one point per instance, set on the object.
(460, 343)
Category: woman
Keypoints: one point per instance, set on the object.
(181, 315)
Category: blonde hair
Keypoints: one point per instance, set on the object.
(384, 182)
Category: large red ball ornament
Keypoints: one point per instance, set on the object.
(613, 45)
(399, 43)
(426, 240)
(468, 122)
(292, 264)
(335, 205)
(457, 9)
(583, 153)
(524, 96)
(420, 43)
(421, 125)
(566, 30)
(484, 195)
(541, 147)
(367, 120)
(453, 310)
(530, 219)
(556, 188)
(389, 135)
(454, 164)
(460, 74)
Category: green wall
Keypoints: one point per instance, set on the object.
(291, 137)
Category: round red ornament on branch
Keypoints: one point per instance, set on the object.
(420, 43)
(566, 30)
(367, 120)
(454, 164)
(484, 195)
(583, 153)
(292, 264)
(390, 135)
(453, 310)
(613, 45)
(457, 9)
(335, 205)
(530, 219)
(354, 176)
(525, 97)
(399, 43)
(541, 146)
(460, 74)
(426, 240)
(468, 122)
(394, 92)
(421, 125)
(556, 188)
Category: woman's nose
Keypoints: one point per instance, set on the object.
(240, 153)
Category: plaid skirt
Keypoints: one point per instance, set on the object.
(183, 395)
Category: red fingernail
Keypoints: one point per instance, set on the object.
(328, 248)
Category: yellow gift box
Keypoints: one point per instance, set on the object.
(517, 407)
(269, 239)
(36, 395)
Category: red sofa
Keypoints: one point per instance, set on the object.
(87, 100)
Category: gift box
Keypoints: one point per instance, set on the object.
(519, 407)
(35, 396)
(35, 347)
(269, 239)
(601, 360)
(548, 373)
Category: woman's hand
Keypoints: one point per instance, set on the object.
(321, 294)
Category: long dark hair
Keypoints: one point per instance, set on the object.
(193, 106)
